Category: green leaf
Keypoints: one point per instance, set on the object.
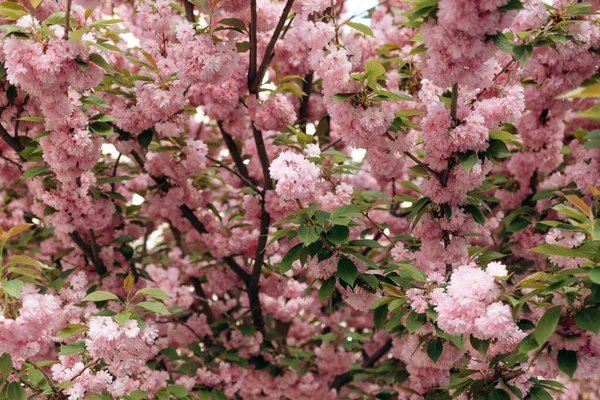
(32, 119)
(468, 160)
(71, 329)
(349, 210)
(481, 346)
(361, 28)
(339, 234)
(12, 10)
(101, 62)
(374, 69)
(56, 18)
(546, 326)
(145, 138)
(307, 234)
(347, 271)
(153, 292)
(178, 391)
(34, 376)
(366, 243)
(512, 5)
(592, 113)
(217, 395)
(594, 275)
(435, 347)
(94, 101)
(100, 295)
(503, 43)
(523, 53)
(567, 362)
(498, 149)
(82, 65)
(38, 170)
(154, 306)
(538, 393)
(588, 319)
(13, 287)
(101, 128)
(327, 287)
(104, 118)
(15, 391)
(380, 316)
(289, 258)
(499, 394)
(415, 321)
(138, 395)
(234, 22)
(6, 365)
(338, 98)
(72, 348)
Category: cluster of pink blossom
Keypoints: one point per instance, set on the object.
(139, 146)
(296, 177)
(458, 50)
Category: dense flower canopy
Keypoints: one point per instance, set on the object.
(268, 199)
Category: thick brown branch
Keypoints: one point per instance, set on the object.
(253, 46)
(260, 73)
(306, 88)
(189, 11)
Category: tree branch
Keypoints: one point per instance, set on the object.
(88, 252)
(189, 11)
(343, 379)
(11, 140)
(256, 79)
(246, 181)
(253, 46)
(306, 88)
(234, 151)
(68, 19)
(200, 228)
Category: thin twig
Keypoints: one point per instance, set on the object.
(330, 145)
(246, 181)
(422, 164)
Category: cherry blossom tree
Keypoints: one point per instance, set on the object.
(269, 199)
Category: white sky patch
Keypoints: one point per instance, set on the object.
(358, 155)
